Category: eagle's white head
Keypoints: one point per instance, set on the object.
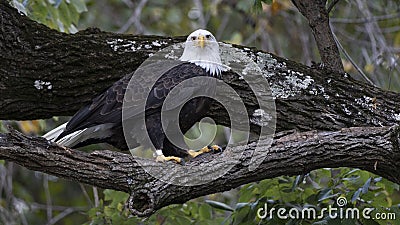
(202, 49)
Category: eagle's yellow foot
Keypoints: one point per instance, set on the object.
(161, 158)
(213, 148)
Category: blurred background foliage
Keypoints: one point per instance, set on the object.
(369, 37)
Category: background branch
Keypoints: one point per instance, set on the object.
(331, 5)
(318, 19)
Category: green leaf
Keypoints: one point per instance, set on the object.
(79, 5)
(116, 218)
(65, 14)
(268, 2)
(182, 220)
(380, 200)
(296, 182)
(257, 6)
(356, 195)
(241, 205)
(241, 216)
(247, 193)
(325, 194)
(108, 211)
(351, 172)
(115, 197)
(60, 14)
(205, 211)
(219, 205)
(366, 186)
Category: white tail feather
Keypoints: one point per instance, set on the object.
(73, 138)
(53, 134)
(70, 140)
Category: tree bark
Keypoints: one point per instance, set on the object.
(45, 73)
(373, 149)
(318, 19)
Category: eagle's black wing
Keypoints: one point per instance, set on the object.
(106, 109)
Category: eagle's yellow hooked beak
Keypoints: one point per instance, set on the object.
(201, 41)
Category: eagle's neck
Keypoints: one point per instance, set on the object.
(208, 59)
(215, 69)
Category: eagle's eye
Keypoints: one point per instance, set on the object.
(193, 38)
(208, 36)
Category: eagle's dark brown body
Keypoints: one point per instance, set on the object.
(105, 111)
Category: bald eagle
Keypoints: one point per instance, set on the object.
(101, 120)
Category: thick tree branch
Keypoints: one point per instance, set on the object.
(373, 149)
(44, 73)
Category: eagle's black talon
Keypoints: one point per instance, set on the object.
(177, 160)
(206, 149)
(216, 149)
